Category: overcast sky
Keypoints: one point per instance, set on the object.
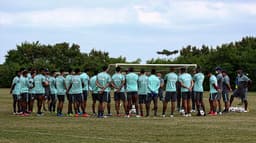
(130, 28)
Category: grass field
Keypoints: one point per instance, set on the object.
(232, 127)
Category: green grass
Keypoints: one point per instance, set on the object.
(232, 127)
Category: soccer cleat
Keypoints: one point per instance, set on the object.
(138, 116)
(213, 114)
(171, 116)
(14, 113)
(109, 114)
(163, 115)
(77, 115)
(189, 115)
(245, 111)
(85, 115)
(220, 113)
(193, 111)
(127, 116)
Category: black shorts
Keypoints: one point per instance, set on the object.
(186, 95)
(38, 96)
(119, 96)
(24, 97)
(52, 97)
(61, 98)
(85, 94)
(213, 96)
(131, 95)
(16, 97)
(104, 97)
(198, 96)
(94, 96)
(142, 98)
(219, 96)
(151, 97)
(170, 96)
(69, 97)
(77, 98)
(31, 97)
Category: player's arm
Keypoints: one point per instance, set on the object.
(216, 87)
(191, 85)
(12, 87)
(228, 85)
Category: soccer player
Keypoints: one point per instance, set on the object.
(142, 90)
(32, 92)
(170, 95)
(118, 81)
(220, 85)
(178, 91)
(24, 86)
(186, 83)
(47, 90)
(75, 90)
(132, 90)
(243, 83)
(199, 91)
(68, 80)
(193, 99)
(226, 89)
(161, 90)
(39, 84)
(85, 81)
(94, 91)
(61, 91)
(153, 88)
(214, 89)
(103, 82)
(53, 92)
(15, 91)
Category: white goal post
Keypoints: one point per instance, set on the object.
(158, 67)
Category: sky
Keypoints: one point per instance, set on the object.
(130, 28)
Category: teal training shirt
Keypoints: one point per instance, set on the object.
(118, 80)
(76, 83)
(38, 81)
(171, 80)
(213, 80)
(85, 79)
(68, 80)
(16, 81)
(24, 85)
(104, 79)
(60, 85)
(132, 82)
(143, 85)
(31, 85)
(93, 85)
(153, 84)
(52, 84)
(185, 79)
(199, 80)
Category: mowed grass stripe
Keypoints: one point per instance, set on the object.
(232, 127)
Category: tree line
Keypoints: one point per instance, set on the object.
(229, 56)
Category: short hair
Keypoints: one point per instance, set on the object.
(25, 72)
(172, 69)
(104, 68)
(118, 69)
(223, 71)
(86, 69)
(95, 72)
(131, 69)
(77, 70)
(17, 72)
(183, 70)
(53, 72)
(208, 72)
(218, 69)
(153, 71)
(70, 70)
(142, 71)
(61, 70)
(198, 69)
(41, 69)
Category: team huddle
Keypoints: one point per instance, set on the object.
(131, 89)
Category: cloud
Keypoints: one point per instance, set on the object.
(183, 14)
(66, 17)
